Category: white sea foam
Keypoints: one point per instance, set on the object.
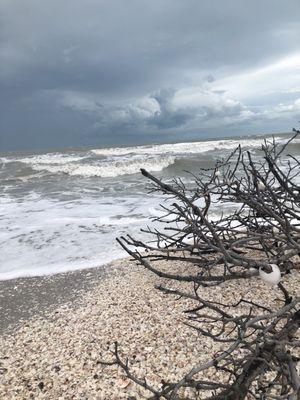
(295, 141)
(44, 236)
(49, 158)
(4, 160)
(67, 224)
(180, 148)
(109, 169)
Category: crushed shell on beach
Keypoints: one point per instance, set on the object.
(59, 356)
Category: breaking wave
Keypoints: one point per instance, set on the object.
(118, 161)
(181, 148)
(54, 223)
(49, 158)
(109, 169)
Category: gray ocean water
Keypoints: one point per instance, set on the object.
(62, 210)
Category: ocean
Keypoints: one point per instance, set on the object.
(62, 210)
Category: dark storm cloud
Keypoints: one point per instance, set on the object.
(167, 117)
(111, 64)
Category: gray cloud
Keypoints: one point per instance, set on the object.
(102, 66)
(167, 116)
(161, 110)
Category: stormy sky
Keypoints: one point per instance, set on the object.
(108, 72)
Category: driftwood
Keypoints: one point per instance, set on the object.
(266, 221)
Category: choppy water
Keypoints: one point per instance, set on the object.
(62, 210)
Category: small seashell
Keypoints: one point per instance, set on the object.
(271, 278)
(123, 383)
(261, 186)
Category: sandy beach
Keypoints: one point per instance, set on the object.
(56, 330)
(23, 298)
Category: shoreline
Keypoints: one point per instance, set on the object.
(25, 297)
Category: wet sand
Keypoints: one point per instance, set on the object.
(23, 298)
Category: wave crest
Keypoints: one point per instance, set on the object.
(49, 158)
(109, 169)
(181, 148)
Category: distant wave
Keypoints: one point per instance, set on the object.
(118, 161)
(284, 141)
(181, 148)
(49, 158)
(109, 169)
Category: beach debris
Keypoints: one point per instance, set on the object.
(271, 278)
(261, 186)
(56, 368)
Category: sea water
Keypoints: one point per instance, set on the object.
(62, 210)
